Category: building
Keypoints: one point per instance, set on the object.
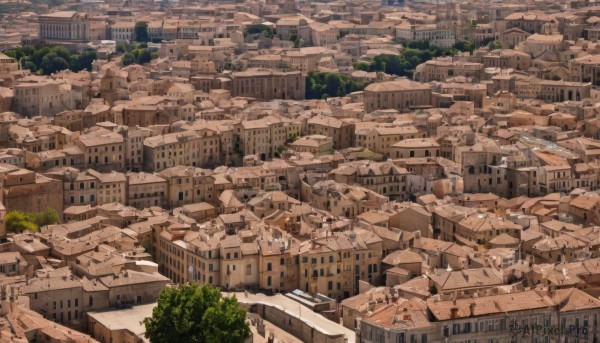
(401, 95)
(265, 84)
(64, 26)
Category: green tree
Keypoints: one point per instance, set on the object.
(48, 216)
(140, 31)
(19, 221)
(144, 56)
(364, 66)
(127, 59)
(495, 45)
(192, 313)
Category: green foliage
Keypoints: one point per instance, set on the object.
(127, 59)
(49, 60)
(140, 31)
(259, 31)
(414, 53)
(296, 39)
(364, 66)
(495, 45)
(20, 221)
(135, 53)
(464, 46)
(433, 290)
(192, 313)
(322, 85)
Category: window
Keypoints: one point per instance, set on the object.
(269, 267)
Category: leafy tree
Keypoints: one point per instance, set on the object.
(127, 59)
(47, 60)
(464, 46)
(192, 313)
(120, 48)
(144, 56)
(140, 31)
(364, 66)
(20, 221)
(433, 290)
(322, 85)
(47, 217)
(495, 45)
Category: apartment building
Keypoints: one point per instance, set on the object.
(188, 185)
(145, 190)
(334, 263)
(102, 149)
(341, 131)
(188, 148)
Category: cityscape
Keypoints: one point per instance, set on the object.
(286, 171)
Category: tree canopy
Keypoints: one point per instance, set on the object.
(47, 60)
(21, 221)
(414, 53)
(192, 313)
(321, 85)
(140, 31)
(135, 53)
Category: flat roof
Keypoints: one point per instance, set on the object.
(293, 308)
(129, 318)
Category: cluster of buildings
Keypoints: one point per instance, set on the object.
(457, 205)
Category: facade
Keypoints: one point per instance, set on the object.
(400, 95)
(264, 84)
(64, 26)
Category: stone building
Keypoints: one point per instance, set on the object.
(64, 26)
(401, 95)
(265, 84)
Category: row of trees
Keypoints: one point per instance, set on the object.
(135, 53)
(414, 53)
(42, 59)
(321, 85)
(17, 221)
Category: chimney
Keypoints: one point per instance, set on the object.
(472, 309)
(453, 312)
(371, 305)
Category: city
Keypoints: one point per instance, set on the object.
(291, 171)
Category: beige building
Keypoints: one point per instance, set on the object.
(416, 147)
(188, 148)
(341, 131)
(64, 26)
(443, 68)
(145, 190)
(41, 95)
(112, 187)
(265, 84)
(103, 149)
(334, 263)
(187, 185)
(401, 95)
(24, 190)
(316, 144)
